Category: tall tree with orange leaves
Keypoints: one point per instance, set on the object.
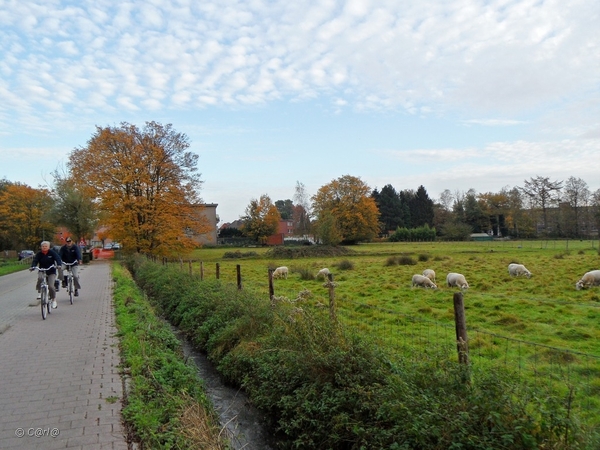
(25, 216)
(147, 185)
(261, 219)
(348, 200)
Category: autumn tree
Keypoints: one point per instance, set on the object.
(327, 229)
(496, 205)
(25, 216)
(261, 219)
(347, 199)
(146, 183)
(73, 209)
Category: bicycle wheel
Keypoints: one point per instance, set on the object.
(70, 288)
(48, 301)
(43, 301)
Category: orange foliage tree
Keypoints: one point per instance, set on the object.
(24, 216)
(261, 219)
(146, 184)
(348, 200)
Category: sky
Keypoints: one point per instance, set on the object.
(448, 94)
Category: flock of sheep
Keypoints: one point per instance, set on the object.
(427, 278)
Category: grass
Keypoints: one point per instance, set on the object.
(541, 326)
(328, 386)
(12, 265)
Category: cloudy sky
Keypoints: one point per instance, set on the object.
(448, 94)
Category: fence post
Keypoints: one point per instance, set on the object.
(190, 266)
(271, 290)
(331, 287)
(201, 270)
(218, 271)
(461, 329)
(239, 276)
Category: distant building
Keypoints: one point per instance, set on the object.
(208, 212)
(286, 227)
(481, 237)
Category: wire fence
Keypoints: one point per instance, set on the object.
(571, 376)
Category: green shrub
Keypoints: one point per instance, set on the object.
(345, 264)
(405, 260)
(304, 272)
(391, 261)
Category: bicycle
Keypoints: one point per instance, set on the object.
(70, 283)
(44, 293)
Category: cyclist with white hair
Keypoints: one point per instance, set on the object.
(46, 258)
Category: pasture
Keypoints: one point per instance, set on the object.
(542, 327)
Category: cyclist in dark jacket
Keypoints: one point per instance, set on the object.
(46, 259)
(70, 253)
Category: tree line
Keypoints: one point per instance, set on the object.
(347, 211)
(142, 187)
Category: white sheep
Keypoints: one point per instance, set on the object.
(422, 281)
(589, 279)
(429, 273)
(518, 269)
(280, 272)
(323, 273)
(457, 279)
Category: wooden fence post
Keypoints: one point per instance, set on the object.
(239, 276)
(201, 270)
(271, 290)
(331, 286)
(190, 266)
(218, 271)
(461, 329)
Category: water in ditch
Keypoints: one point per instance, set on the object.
(237, 415)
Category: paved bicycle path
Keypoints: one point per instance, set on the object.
(60, 385)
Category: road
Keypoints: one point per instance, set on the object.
(60, 385)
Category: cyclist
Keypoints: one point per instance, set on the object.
(46, 259)
(70, 253)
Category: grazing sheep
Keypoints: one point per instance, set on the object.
(280, 272)
(589, 279)
(323, 273)
(518, 269)
(422, 281)
(429, 273)
(458, 280)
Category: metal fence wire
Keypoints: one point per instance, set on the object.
(561, 372)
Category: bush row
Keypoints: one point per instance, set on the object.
(420, 234)
(324, 387)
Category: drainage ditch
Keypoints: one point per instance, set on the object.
(242, 421)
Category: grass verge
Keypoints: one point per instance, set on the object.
(165, 406)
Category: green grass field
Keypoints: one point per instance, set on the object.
(542, 326)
